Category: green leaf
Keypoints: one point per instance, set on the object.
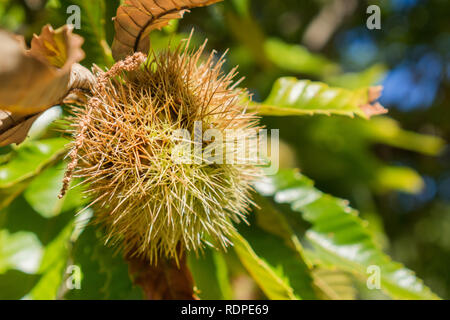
(20, 251)
(30, 159)
(12, 15)
(210, 274)
(35, 245)
(252, 40)
(42, 193)
(24, 163)
(274, 240)
(298, 59)
(283, 259)
(290, 96)
(388, 131)
(104, 273)
(271, 283)
(20, 216)
(7, 195)
(355, 80)
(398, 178)
(339, 236)
(15, 284)
(53, 266)
(334, 284)
(242, 7)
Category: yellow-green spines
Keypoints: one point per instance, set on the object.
(149, 203)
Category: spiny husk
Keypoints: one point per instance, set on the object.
(148, 203)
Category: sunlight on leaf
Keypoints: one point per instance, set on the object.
(398, 178)
(334, 284)
(20, 251)
(30, 159)
(290, 97)
(274, 286)
(340, 237)
(53, 266)
(210, 273)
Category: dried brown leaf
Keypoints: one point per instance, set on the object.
(135, 19)
(59, 48)
(13, 128)
(373, 108)
(34, 80)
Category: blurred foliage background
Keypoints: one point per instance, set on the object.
(394, 169)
